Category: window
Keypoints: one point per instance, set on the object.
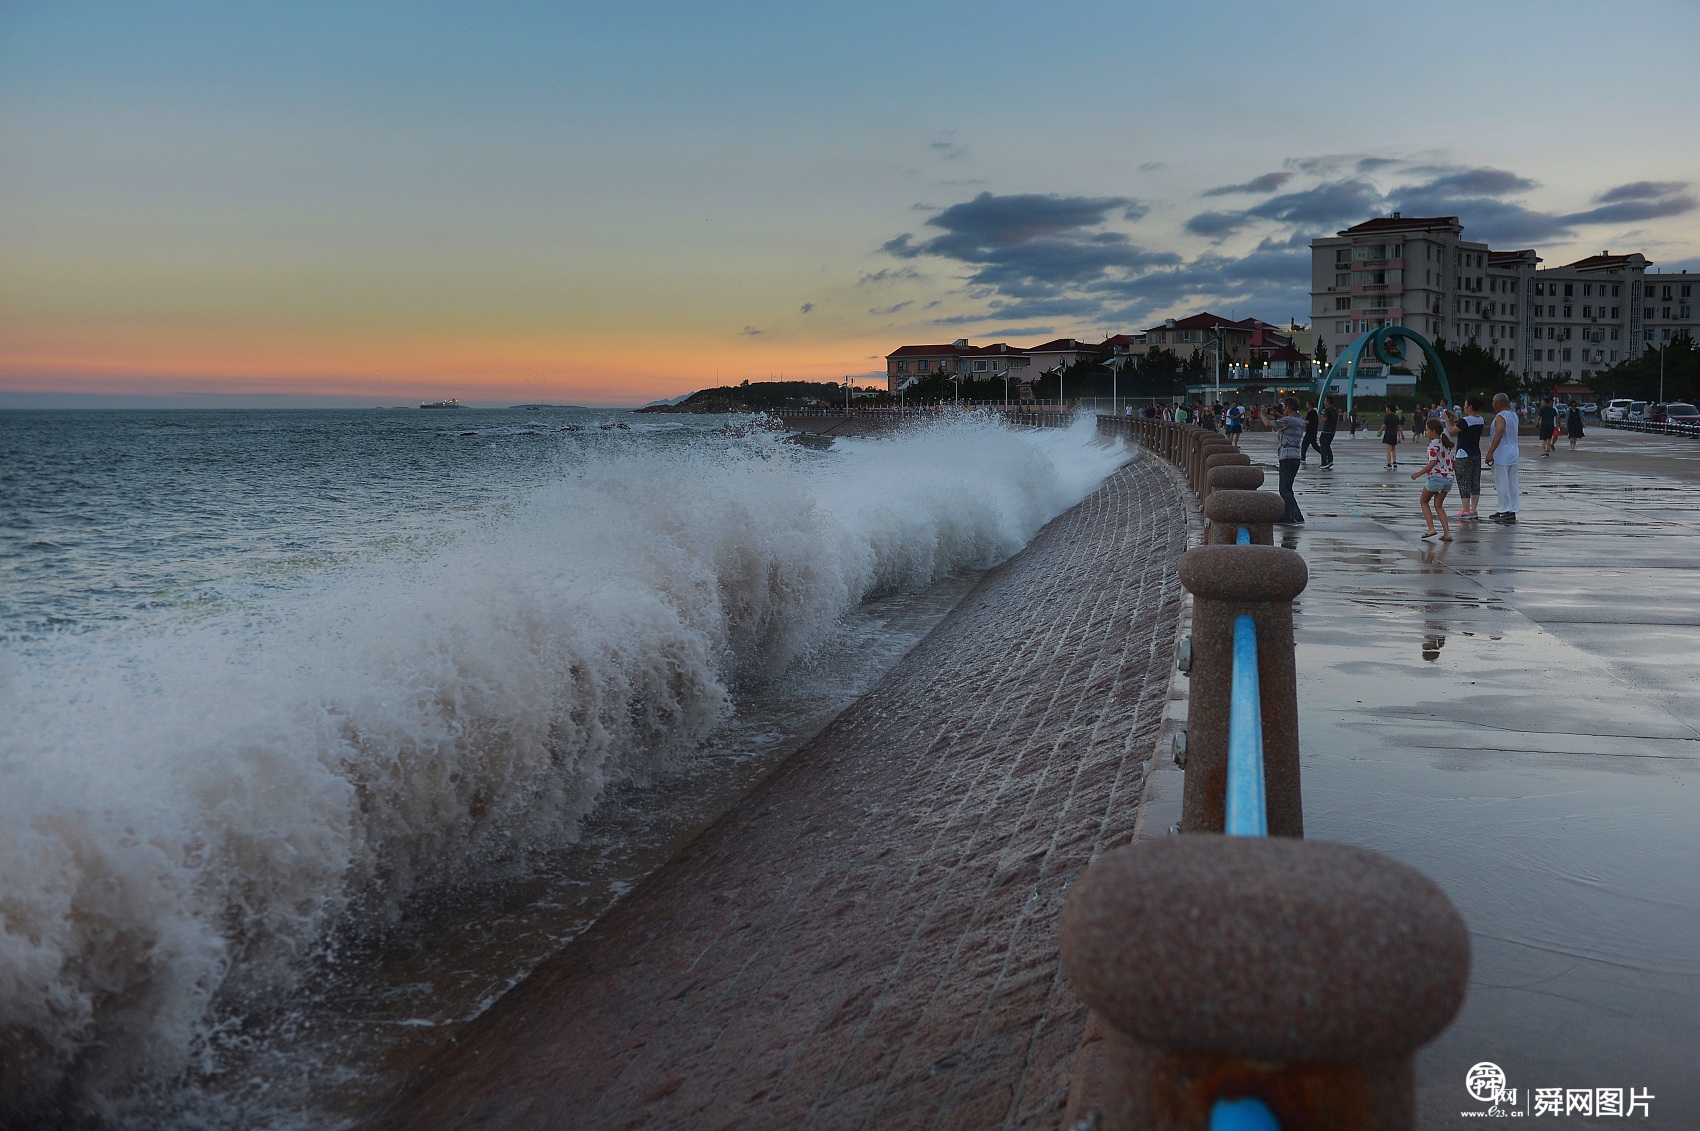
(1614, 290)
(1342, 256)
(1687, 290)
(1665, 294)
(1566, 356)
(1513, 353)
(1665, 309)
(1396, 251)
(1550, 356)
(1343, 279)
(1540, 288)
(1588, 311)
(1615, 309)
(1342, 304)
(1567, 311)
(1587, 290)
(1683, 313)
(979, 366)
(903, 367)
(1614, 333)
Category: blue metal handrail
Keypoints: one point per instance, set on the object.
(1246, 811)
(1245, 1114)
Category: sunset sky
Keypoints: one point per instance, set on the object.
(612, 203)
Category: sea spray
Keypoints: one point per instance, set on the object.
(191, 813)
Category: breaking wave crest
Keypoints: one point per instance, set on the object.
(189, 815)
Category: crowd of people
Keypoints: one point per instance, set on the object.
(1454, 454)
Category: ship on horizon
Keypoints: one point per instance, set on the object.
(450, 403)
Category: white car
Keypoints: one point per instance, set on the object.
(1617, 410)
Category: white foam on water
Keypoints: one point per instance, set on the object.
(188, 817)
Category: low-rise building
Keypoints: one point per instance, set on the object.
(982, 362)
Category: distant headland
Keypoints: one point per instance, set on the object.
(757, 396)
(535, 407)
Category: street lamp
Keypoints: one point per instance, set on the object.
(1059, 372)
(1115, 364)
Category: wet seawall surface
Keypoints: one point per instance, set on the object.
(870, 937)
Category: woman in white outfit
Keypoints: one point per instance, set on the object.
(1501, 455)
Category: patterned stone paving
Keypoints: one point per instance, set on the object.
(869, 939)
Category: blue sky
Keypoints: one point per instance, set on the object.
(614, 202)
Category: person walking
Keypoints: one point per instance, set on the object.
(1502, 455)
(1548, 425)
(1392, 431)
(1352, 417)
(1438, 470)
(1467, 460)
(1312, 423)
(1236, 422)
(1289, 436)
(1325, 437)
(1573, 424)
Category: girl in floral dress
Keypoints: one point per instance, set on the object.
(1438, 470)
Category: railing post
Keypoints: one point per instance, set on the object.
(1219, 459)
(1229, 508)
(1299, 973)
(1225, 581)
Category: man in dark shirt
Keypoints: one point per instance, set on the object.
(1312, 421)
(1325, 437)
(1549, 425)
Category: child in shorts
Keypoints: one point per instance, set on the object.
(1438, 481)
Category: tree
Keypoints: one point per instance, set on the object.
(1321, 354)
(1159, 374)
(1640, 378)
(1469, 370)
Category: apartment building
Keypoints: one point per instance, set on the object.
(1419, 272)
(1588, 316)
(983, 362)
(1668, 308)
(1205, 332)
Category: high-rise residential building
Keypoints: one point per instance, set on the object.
(1668, 308)
(1589, 316)
(1419, 272)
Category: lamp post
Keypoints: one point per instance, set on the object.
(1059, 372)
(1115, 364)
(1007, 373)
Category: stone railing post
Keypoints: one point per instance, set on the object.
(1229, 508)
(1230, 458)
(1300, 973)
(1212, 444)
(1226, 581)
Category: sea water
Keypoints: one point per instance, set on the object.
(318, 730)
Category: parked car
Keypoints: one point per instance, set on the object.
(1637, 411)
(1673, 412)
(1617, 410)
(1589, 408)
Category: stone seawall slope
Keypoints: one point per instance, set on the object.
(870, 939)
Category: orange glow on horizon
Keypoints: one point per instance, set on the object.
(508, 369)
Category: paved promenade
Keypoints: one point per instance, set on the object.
(1517, 713)
(870, 938)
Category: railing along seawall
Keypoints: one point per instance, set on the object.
(1253, 979)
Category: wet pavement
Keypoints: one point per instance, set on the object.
(1517, 713)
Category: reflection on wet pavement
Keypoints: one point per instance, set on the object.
(1517, 713)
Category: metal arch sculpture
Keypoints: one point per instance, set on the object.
(1384, 341)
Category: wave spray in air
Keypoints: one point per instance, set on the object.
(193, 810)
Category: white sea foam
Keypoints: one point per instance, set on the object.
(187, 815)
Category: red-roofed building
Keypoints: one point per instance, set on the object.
(1205, 332)
(982, 362)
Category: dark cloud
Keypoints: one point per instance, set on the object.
(1630, 211)
(1371, 164)
(1481, 181)
(1217, 225)
(889, 275)
(892, 309)
(1325, 205)
(948, 150)
(752, 331)
(807, 307)
(1268, 182)
(1152, 166)
(1640, 190)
